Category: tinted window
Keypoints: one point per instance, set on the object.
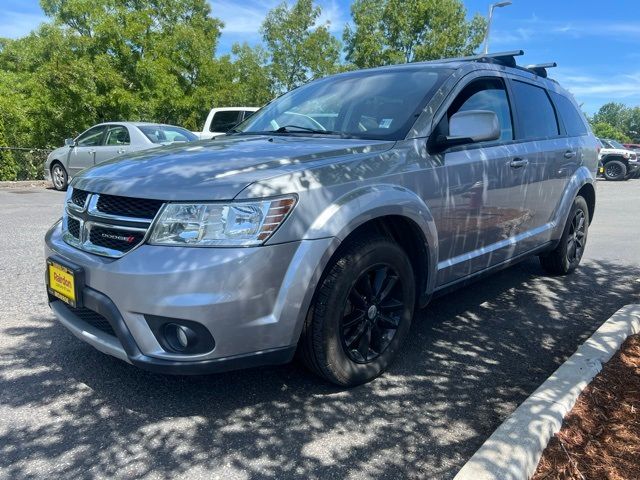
(224, 121)
(166, 133)
(117, 135)
(485, 94)
(381, 104)
(91, 137)
(536, 114)
(570, 116)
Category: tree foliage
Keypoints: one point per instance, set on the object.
(300, 49)
(617, 121)
(155, 60)
(396, 31)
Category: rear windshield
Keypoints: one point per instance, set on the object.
(167, 133)
(368, 104)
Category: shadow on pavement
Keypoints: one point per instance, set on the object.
(473, 356)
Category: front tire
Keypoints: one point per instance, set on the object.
(615, 170)
(567, 255)
(59, 177)
(361, 313)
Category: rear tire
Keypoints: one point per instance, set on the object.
(567, 255)
(361, 313)
(615, 170)
(59, 177)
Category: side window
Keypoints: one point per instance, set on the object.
(117, 135)
(224, 121)
(571, 118)
(484, 94)
(535, 112)
(91, 138)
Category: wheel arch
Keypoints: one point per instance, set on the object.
(588, 192)
(396, 212)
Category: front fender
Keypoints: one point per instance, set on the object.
(357, 207)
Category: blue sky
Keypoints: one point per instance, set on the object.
(596, 44)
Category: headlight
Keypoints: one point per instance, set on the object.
(220, 224)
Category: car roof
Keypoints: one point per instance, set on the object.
(140, 124)
(462, 67)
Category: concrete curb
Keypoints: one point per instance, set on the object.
(513, 451)
(24, 183)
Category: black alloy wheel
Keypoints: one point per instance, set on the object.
(577, 237)
(362, 311)
(372, 314)
(615, 170)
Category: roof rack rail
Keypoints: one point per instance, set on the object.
(540, 69)
(502, 58)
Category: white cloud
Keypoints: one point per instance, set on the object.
(241, 18)
(15, 24)
(593, 90)
(246, 18)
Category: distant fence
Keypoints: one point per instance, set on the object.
(18, 163)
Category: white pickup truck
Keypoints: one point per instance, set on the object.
(221, 120)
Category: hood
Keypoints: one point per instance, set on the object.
(216, 169)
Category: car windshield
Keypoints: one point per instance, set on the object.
(167, 133)
(615, 144)
(367, 104)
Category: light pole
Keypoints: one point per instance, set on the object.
(486, 36)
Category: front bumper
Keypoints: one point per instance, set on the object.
(252, 300)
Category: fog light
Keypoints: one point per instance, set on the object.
(178, 337)
(182, 337)
(185, 337)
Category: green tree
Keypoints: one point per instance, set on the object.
(298, 47)
(387, 32)
(606, 130)
(251, 79)
(615, 114)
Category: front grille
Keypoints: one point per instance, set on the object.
(115, 239)
(74, 227)
(128, 207)
(107, 225)
(93, 318)
(79, 197)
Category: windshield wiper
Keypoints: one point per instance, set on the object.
(287, 129)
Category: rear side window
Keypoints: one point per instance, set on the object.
(224, 121)
(535, 112)
(117, 135)
(485, 94)
(570, 116)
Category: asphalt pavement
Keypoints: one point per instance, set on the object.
(68, 411)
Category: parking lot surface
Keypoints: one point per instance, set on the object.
(68, 411)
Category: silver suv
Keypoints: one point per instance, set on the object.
(321, 223)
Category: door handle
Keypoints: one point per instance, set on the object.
(518, 163)
(569, 154)
(122, 150)
(91, 152)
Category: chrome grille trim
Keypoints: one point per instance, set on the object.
(89, 217)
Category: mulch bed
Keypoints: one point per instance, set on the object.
(600, 437)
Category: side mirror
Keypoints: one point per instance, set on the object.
(69, 142)
(470, 127)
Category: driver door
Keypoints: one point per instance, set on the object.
(484, 183)
(82, 155)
